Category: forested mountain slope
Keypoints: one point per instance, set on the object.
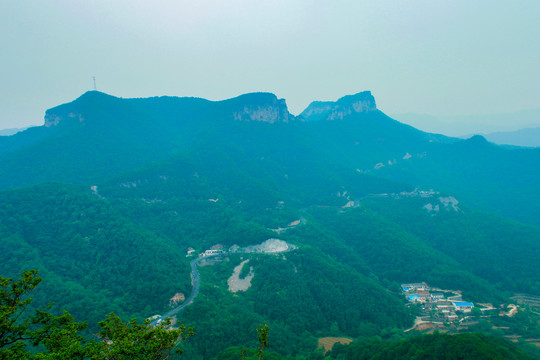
(98, 135)
(93, 259)
(437, 346)
(107, 197)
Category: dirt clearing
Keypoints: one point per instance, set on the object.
(328, 342)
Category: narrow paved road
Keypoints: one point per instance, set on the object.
(196, 286)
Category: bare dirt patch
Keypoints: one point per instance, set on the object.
(176, 299)
(328, 342)
(235, 283)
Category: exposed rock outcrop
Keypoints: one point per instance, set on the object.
(362, 102)
(269, 246)
(264, 107)
(176, 299)
(75, 110)
(53, 119)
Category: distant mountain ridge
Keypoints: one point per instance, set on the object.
(524, 137)
(132, 132)
(108, 195)
(260, 106)
(347, 105)
(99, 134)
(8, 132)
(263, 107)
(461, 125)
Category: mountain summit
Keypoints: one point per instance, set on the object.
(361, 102)
(74, 110)
(264, 107)
(259, 107)
(109, 194)
(99, 134)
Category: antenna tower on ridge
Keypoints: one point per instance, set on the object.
(94, 78)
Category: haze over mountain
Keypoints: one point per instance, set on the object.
(7, 132)
(109, 194)
(462, 125)
(522, 137)
(311, 212)
(171, 48)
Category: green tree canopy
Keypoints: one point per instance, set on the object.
(44, 336)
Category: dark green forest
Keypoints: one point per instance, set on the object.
(436, 346)
(106, 202)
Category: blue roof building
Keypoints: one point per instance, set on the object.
(464, 304)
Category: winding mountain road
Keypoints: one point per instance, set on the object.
(196, 287)
(197, 283)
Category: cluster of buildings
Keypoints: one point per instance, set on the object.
(191, 252)
(270, 246)
(437, 303)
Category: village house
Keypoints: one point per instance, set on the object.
(417, 298)
(211, 252)
(435, 306)
(414, 286)
(463, 306)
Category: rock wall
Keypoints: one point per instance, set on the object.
(53, 118)
(327, 110)
(271, 111)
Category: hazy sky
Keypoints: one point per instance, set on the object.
(441, 57)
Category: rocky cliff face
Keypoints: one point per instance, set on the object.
(73, 111)
(259, 107)
(54, 118)
(345, 106)
(263, 107)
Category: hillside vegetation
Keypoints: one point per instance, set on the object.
(108, 196)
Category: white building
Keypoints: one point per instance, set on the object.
(463, 306)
